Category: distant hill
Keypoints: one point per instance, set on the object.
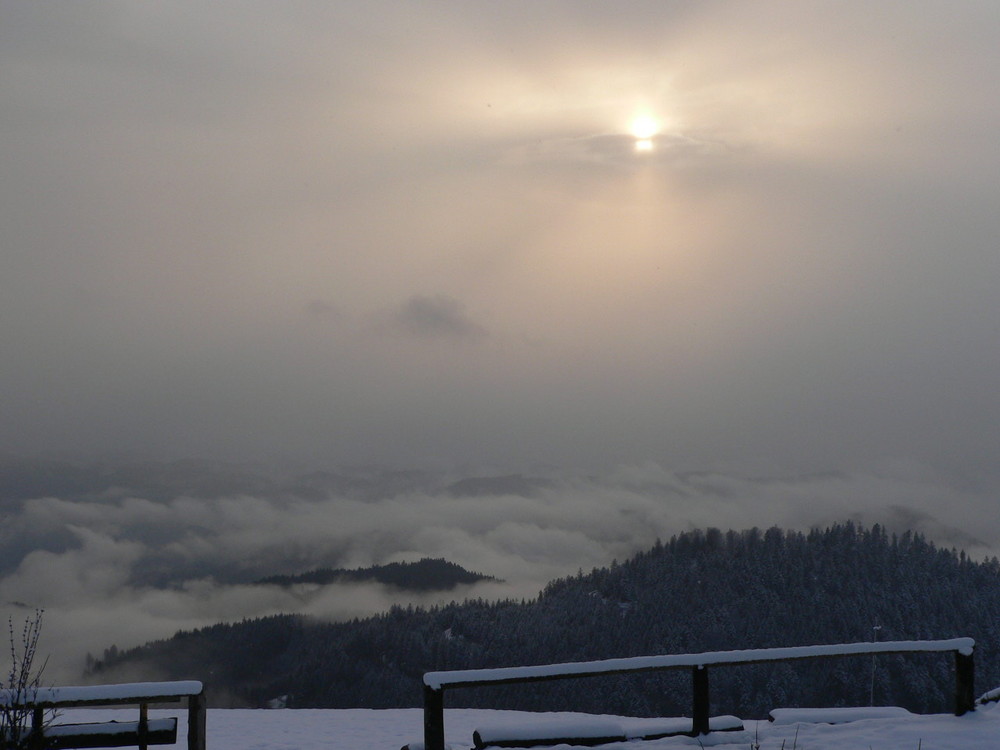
(424, 575)
(700, 591)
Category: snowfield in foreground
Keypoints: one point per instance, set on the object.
(365, 729)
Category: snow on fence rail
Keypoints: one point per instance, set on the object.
(101, 695)
(435, 683)
(144, 732)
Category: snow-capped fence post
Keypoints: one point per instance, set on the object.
(699, 713)
(433, 718)
(965, 677)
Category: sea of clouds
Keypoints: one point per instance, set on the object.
(180, 546)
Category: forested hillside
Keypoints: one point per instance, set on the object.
(700, 591)
(424, 575)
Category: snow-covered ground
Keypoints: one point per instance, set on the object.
(364, 729)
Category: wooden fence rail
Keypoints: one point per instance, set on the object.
(435, 683)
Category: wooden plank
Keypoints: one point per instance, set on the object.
(102, 695)
(658, 729)
(479, 744)
(110, 734)
(635, 665)
(532, 731)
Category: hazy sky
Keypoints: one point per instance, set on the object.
(422, 233)
(425, 235)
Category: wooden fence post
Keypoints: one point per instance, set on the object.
(965, 677)
(37, 738)
(433, 718)
(143, 726)
(196, 721)
(699, 714)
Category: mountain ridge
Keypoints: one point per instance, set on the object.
(700, 591)
(426, 574)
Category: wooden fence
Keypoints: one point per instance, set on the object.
(435, 683)
(42, 699)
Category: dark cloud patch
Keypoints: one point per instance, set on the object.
(900, 518)
(436, 317)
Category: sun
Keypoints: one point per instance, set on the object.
(644, 127)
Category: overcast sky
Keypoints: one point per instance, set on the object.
(422, 233)
(427, 235)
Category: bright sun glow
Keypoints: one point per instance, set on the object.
(645, 127)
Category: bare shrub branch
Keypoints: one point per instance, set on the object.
(23, 679)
